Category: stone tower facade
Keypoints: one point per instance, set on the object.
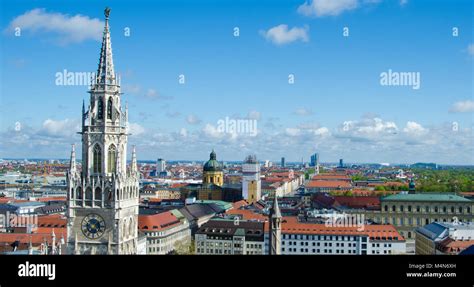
(251, 182)
(275, 229)
(103, 198)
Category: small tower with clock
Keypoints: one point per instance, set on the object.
(103, 197)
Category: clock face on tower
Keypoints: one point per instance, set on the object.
(93, 226)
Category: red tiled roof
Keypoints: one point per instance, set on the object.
(331, 176)
(53, 220)
(239, 204)
(290, 225)
(450, 245)
(56, 198)
(327, 184)
(35, 238)
(176, 185)
(11, 199)
(273, 179)
(358, 201)
(247, 214)
(157, 222)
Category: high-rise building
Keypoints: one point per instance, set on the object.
(282, 162)
(251, 182)
(341, 163)
(160, 166)
(315, 162)
(102, 210)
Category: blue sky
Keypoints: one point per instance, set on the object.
(336, 105)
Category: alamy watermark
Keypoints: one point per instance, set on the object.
(68, 78)
(346, 220)
(30, 221)
(392, 78)
(237, 126)
(28, 269)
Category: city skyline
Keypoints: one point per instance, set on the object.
(336, 106)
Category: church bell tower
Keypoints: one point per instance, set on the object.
(103, 198)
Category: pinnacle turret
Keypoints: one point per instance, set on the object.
(105, 71)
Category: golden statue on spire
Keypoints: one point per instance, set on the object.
(107, 12)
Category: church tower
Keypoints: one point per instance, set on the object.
(275, 229)
(251, 182)
(103, 198)
(212, 171)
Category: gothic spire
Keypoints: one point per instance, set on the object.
(134, 168)
(276, 209)
(118, 165)
(105, 72)
(72, 164)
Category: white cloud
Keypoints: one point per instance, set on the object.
(254, 115)
(192, 120)
(462, 107)
(151, 93)
(414, 128)
(293, 131)
(369, 127)
(320, 8)
(303, 112)
(68, 29)
(403, 2)
(135, 129)
(132, 89)
(470, 49)
(183, 132)
(211, 131)
(281, 35)
(61, 128)
(321, 131)
(368, 139)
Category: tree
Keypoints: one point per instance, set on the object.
(184, 247)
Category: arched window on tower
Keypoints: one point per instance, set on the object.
(97, 159)
(98, 196)
(112, 159)
(108, 197)
(110, 104)
(88, 196)
(78, 196)
(100, 108)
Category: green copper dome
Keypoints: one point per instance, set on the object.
(212, 164)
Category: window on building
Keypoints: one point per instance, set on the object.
(79, 193)
(97, 159)
(98, 195)
(100, 108)
(109, 108)
(112, 159)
